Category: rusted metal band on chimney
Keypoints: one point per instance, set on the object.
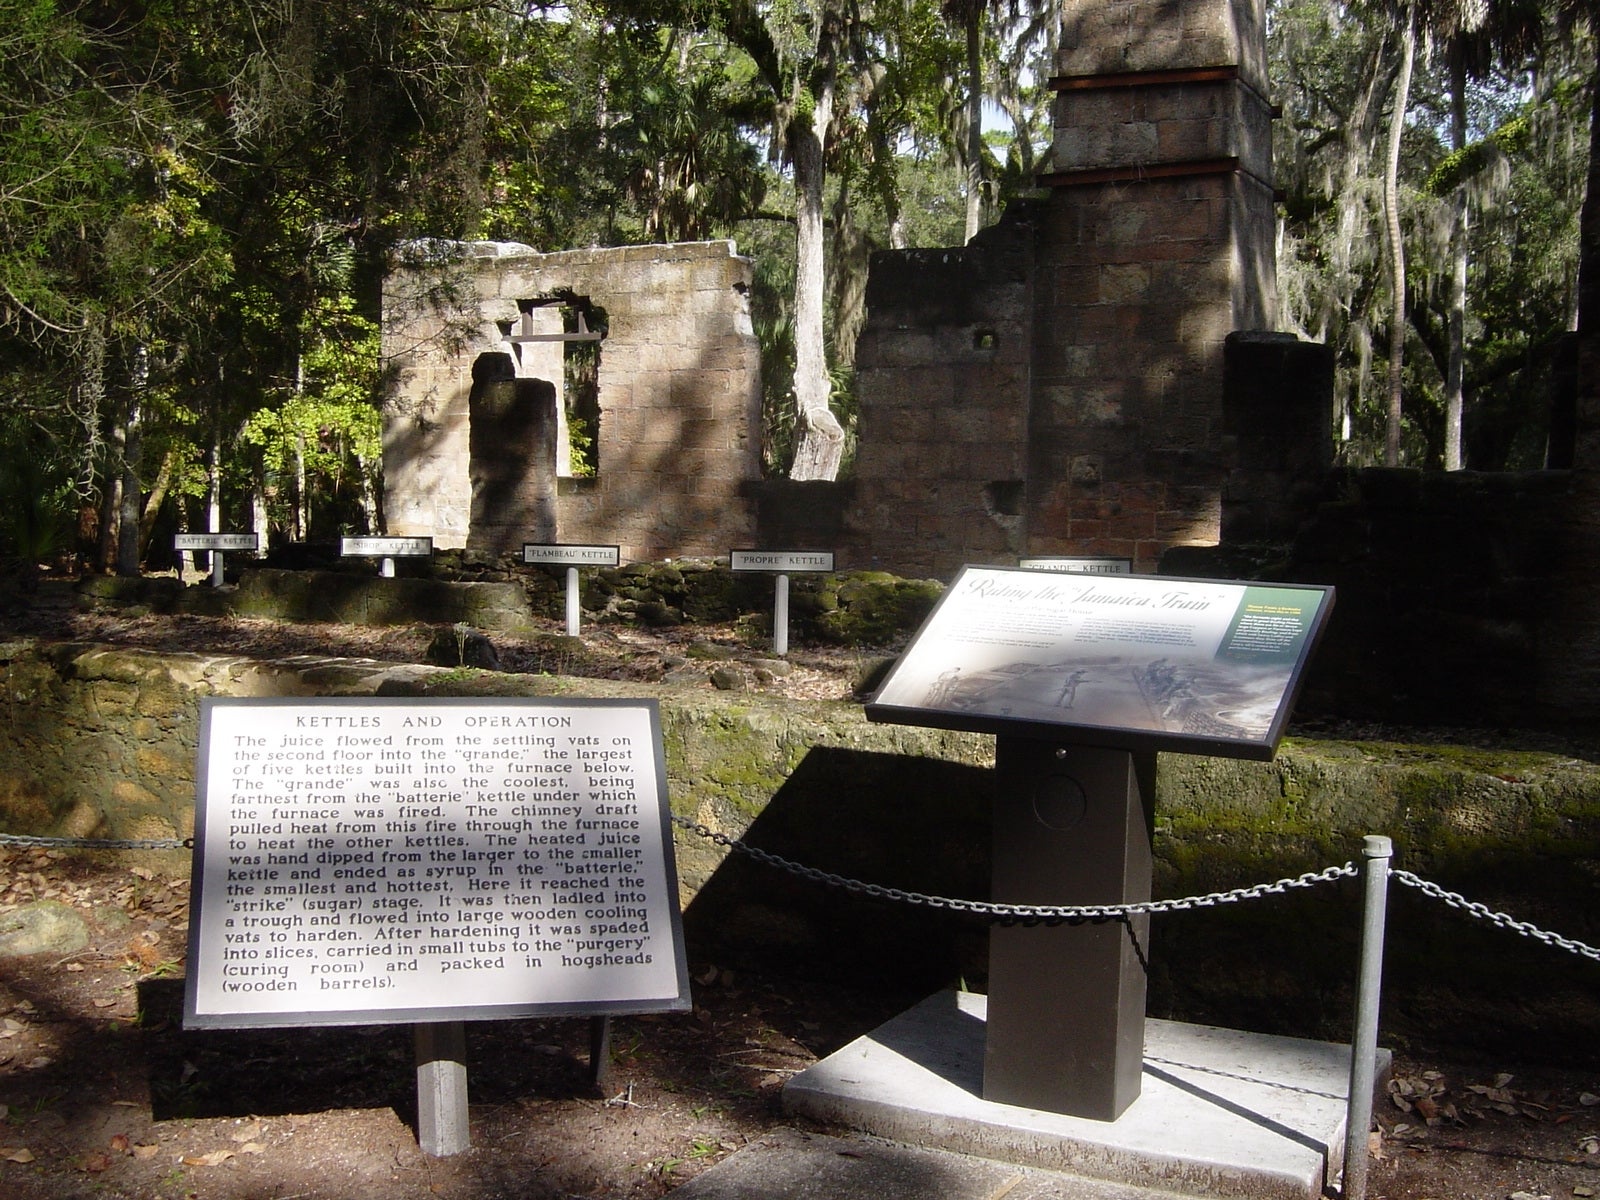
(1141, 172)
(1135, 79)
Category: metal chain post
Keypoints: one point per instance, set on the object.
(1376, 851)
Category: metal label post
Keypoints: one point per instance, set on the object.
(783, 563)
(557, 554)
(441, 1055)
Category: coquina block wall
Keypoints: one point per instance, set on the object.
(1068, 398)
(678, 389)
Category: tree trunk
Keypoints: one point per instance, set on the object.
(158, 497)
(1359, 135)
(260, 520)
(819, 438)
(852, 249)
(369, 493)
(213, 487)
(974, 120)
(1586, 453)
(1397, 249)
(129, 507)
(131, 511)
(302, 502)
(110, 503)
(1455, 356)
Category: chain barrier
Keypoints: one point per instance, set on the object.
(1484, 913)
(1040, 914)
(1004, 914)
(1017, 914)
(80, 843)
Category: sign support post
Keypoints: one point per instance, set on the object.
(780, 616)
(441, 1054)
(574, 608)
(1072, 825)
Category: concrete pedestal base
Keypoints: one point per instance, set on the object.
(1220, 1112)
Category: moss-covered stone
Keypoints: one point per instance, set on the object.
(874, 607)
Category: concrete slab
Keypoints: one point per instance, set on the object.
(788, 1164)
(1220, 1112)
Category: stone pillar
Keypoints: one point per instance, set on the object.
(512, 460)
(1157, 243)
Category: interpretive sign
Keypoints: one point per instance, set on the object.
(1094, 564)
(387, 549)
(216, 541)
(787, 561)
(370, 860)
(1139, 661)
(569, 555)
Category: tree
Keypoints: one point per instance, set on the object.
(1397, 251)
(1476, 36)
(968, 16)
(1496, 285)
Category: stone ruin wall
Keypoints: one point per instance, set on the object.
(100, 741)
(1056, 387)
(679, 391)
(942, 375)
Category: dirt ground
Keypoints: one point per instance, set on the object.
(104, 1094)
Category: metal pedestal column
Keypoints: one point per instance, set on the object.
(1072, 825)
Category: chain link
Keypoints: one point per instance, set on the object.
(1017, 914)
(78, 843)
(1008, 914)
(1485, 913)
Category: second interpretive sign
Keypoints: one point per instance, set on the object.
(1142, 661)
(361, 861)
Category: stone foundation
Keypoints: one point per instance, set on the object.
(679, 394)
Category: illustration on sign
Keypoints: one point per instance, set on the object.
(378, 860)
(1187, 663)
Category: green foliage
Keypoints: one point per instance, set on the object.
(37, 504)
(1523, 174)
(328, 428)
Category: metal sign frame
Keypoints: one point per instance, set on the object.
(253, 749)
(1141, 662)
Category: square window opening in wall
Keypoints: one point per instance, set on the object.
(1003, 497)
(557, 337)
(985, 341)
